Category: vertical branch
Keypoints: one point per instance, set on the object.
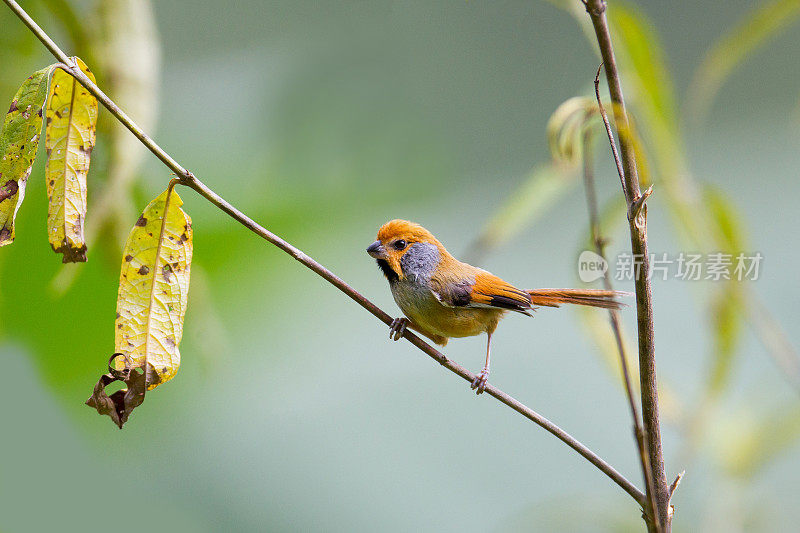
(637, 218)
(599, 246)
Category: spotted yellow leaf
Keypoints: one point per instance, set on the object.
(153, 287)
(71, 123)
(18, 143)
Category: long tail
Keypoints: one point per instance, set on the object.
(590, 297)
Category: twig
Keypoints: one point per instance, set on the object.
(675, 484)
(636, 207)
(609, 132)
(188, 179)
(599, 244)
(644, 298)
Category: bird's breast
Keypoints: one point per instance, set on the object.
(420, 304)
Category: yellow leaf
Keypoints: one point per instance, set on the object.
(18, 143)
(153, 288)
(127, 52)
(71, 124)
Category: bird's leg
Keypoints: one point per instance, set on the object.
(398, 327)
(479, 383)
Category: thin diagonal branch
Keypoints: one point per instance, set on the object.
(188, 179)
(599, 245)
(496, 393)
(637, 221)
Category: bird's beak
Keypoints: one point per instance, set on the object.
(376, 250)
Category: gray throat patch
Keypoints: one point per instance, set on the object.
(420, 261)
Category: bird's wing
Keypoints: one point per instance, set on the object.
(487, 291)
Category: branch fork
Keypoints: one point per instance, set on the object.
(636, 208)
(595, 10)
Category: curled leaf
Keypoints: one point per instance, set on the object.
(18, 143)
(119, 405)
(566, 127)
(71, 124)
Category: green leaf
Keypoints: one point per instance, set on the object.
(644, 64)
(752, 32)
(727, 301)
(729, 226)
(726, 329)
(19, 141)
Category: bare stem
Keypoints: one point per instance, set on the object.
(637, 218)
(599, 245)
(187, 178)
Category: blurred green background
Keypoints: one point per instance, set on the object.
(292, 410)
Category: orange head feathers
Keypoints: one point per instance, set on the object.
(394, 240)
(403, 229)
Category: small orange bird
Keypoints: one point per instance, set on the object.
(443, 297)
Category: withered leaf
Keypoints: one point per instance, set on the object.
(119, 405)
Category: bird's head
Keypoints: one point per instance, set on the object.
(399, 239)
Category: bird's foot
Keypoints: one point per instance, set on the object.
(397, 328)
(479, 383)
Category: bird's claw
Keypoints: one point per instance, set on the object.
(479, 383)
(397, 328)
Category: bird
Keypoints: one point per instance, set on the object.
(442, 297)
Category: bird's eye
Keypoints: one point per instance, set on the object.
(399, 245)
